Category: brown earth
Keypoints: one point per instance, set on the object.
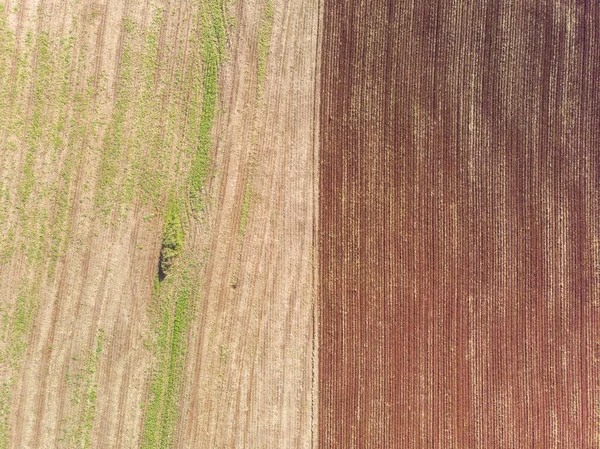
(458, 238)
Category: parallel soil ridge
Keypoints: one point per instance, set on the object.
(459, 252)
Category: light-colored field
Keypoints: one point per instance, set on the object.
(127, 127)
(250, 362)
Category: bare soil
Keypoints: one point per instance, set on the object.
(459, 197)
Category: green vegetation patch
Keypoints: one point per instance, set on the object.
(35, 130)
(35, 91)
(174, 289)
(152, 143)
(212, 44)
(115, 136)
(15, 324)
(245, 209)
(174, 311)
(264, 41)
(172, 239)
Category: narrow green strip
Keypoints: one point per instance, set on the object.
(174, 292)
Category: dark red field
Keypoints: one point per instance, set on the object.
(459, 225)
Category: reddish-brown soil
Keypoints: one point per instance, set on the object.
(459, 225)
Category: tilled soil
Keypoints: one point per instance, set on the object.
(458, 236)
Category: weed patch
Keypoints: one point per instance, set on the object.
(212, 42)
(173, 289)
(264, 42)
(172, 239)
(174, 315)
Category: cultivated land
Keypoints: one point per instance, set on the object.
(299, 224)
(459, 221)
(156, 182)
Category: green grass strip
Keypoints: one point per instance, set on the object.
(245, 209)
(212, 42)
(162, 411)
(174, 292)
(264, 42)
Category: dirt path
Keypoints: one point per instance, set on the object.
(459, 196)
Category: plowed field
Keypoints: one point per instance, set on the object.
(459, 225)
(293, 224)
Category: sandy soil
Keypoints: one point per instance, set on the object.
(249, 368)
(251, 362)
